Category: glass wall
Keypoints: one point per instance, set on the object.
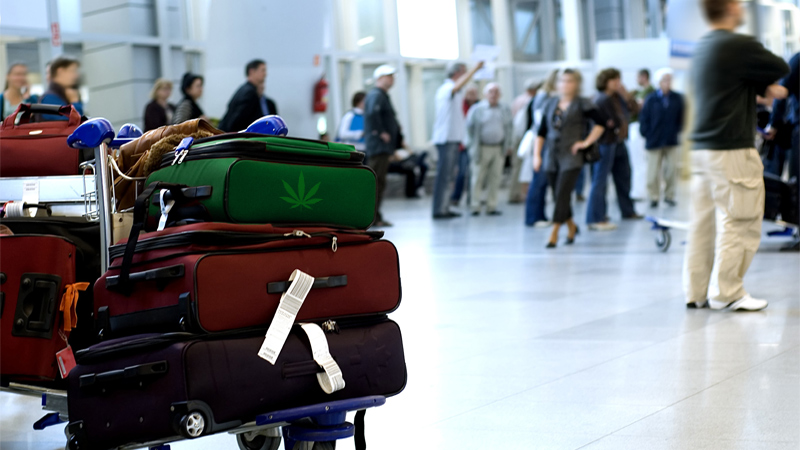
(482, 22)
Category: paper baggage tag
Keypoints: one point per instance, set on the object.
(30, 195)
(332, 380)
(166, 207)
(290, 304)
(66, 361)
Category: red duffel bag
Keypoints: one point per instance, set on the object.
(38, 149)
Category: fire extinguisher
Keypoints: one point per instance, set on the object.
(321, 95)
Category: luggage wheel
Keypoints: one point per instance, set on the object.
(259, 440)
(193, 425)
(663, 239)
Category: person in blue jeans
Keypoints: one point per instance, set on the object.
(614, 102)
(535, 201)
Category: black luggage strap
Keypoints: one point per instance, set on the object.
(359, 438)
(189, 193)
(123, 283)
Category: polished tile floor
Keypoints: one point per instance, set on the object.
(511, 346)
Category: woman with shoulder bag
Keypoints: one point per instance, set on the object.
(566, 118)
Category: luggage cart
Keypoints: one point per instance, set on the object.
(663, 235)
(303, 428)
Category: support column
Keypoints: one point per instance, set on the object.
(501, 18)
(571, 13)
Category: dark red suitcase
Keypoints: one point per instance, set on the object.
(142, 389)
(212, 277)
(34, 271)
(39, 149)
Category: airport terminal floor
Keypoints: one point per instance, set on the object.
(512, 346)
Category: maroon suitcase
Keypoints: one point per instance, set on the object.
(39, 149)
(212, 277)
(34, 272)
(143, 388)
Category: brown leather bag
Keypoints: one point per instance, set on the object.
(133, 155)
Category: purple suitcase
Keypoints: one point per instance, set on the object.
(144, 388)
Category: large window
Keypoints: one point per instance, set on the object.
(370, 26)
(428, 28)
(527, 20)
(481, 19)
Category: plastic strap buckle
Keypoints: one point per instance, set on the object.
(290, 304)
(331, 380)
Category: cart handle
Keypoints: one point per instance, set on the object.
(91, 134)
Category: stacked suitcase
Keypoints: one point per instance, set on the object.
(49, 252)
(249, 284)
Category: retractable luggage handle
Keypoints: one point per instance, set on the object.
(123, 283)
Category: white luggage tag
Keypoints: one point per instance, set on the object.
(331, 380)
(166, 207)
(290, 304)
(181, 150)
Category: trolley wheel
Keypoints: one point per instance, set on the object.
(193, 425)
(74, 443)
(663, 239)
(247, 441)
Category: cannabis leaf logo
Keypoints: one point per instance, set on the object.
(301, 198)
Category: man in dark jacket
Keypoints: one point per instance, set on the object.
(727, 203)
(660, 121)
(380, 130)
(249, 102)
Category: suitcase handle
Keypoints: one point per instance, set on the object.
(189, 193)
(279, 287)
(124, 284)
(26, 110)
(129, 375)
(162, 275)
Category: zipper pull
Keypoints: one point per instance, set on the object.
(298, 233)
(182, 150)
(330, 326)
(334, 244)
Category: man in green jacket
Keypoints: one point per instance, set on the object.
(727, 203)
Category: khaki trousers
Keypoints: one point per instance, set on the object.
(658, 160)
(488, 166)
(727, 206)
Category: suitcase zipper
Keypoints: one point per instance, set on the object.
(256, 155)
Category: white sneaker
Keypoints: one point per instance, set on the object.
(746, 303)
(602, 226)
(542, 224)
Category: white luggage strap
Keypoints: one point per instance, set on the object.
(331, 380)
(166, 207)
(290, 304)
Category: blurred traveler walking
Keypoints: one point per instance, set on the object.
(159, 111)
(187, 109)
(570, 124)
(63, 88)
(616, 105)
(636, 144)
(521, 113)
(16, 91)
(660, 121)
(448, 132)
(537, 192)
(471, 96)
(351, 128)
(784, 124)
(727, 203)
(380, 131)
(489, 138)
(249, 103)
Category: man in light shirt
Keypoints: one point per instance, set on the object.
(449, 131)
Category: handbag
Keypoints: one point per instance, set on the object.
(591, 154)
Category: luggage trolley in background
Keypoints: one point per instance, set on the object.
(303, 428)
(663, 235)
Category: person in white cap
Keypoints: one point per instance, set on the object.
(660, 122)
(380, 131)
(449, 131)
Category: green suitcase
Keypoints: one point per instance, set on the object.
(256, 178)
